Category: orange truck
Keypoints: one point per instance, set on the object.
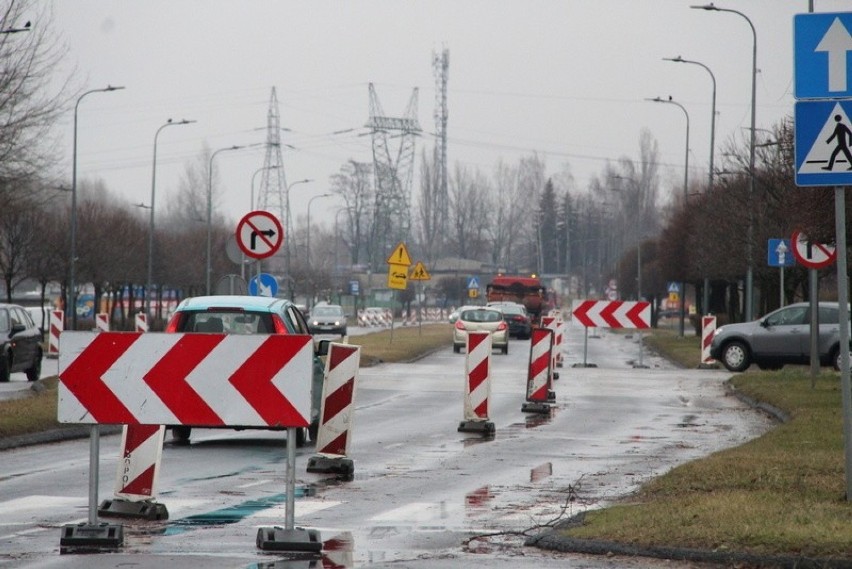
(524, 290)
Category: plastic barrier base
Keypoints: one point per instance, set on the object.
(584, 365)
(280, 539)
(536, 407)
(641, 366)
(100, 535)
(484, 427)
(145, 509)
(332, 465)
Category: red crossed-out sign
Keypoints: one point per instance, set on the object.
(185, 379)
(613, 313)
(259, 234)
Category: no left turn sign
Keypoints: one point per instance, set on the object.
(259, 234)
(812, 255)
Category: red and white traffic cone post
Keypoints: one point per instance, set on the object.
(57, 325)
(552, 324)
(539, 381)
(560, 337)
(102, 322)
(708, 329)
(338, 406)
(477, 393)
(138, 464)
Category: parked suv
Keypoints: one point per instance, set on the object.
(20, 343)
(249, 315)
(781, 337)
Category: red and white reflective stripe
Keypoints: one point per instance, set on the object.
(708, 329)
(139, 463)
(102, 322)
(539, 378)
(477, 391)
(560, 335)
(612, 313)
(141, 322)
(338, 397)
(552, 324)
(57, 326)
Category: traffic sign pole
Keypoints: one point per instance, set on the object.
(843, 315)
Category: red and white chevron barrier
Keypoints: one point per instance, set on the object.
(141, 322)
(214, 380)
(477, 392)
(708, 329)
(102, 322)
(539, 377)
(57, 326)
(613, 313)
(338, 405)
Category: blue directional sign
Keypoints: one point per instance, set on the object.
(779, 253)
(472, 283)
(822, 55)
(823, 150)
(268, 285)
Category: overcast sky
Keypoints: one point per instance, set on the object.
(568, 79)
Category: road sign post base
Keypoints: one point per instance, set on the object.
(332, 465)
(85, 535)
(555, 375)
(476, 426)
(145, 509)
(296, 539)
(540, 407)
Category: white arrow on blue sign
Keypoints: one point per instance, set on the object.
(822, 46)
(268, 285)
(779, 253)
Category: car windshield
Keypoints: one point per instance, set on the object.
(327, 311)
(512, 309)
(481, 316)
(228, 322)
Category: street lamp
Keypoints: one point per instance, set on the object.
(71, 284)
(209, 266)
(287, 224)
(308, 255)
(685, 195)
(150, 285)
(253, 176)
(749, 308)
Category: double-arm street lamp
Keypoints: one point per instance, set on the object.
(208, 269)
(150, 287)
(71, 294)
(749, 302)
(685, 195)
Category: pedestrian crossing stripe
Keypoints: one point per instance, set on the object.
(823, 143)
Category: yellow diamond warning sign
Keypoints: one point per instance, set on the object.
(399, 256)
(419, 272)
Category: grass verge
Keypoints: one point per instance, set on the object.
(37, 413)
(783, 493)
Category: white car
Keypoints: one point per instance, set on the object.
(481, 319)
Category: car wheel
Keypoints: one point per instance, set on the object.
(5, 368)
(835, 358)
(34, 372)
(180, 434)
(735, 356)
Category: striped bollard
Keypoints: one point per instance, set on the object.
(102, 322)
(139, 461)
(338, 405)
(560, 336)
(57, 325)
(141, 322)
(539, 382)
(552, 324)
(708, 329)
(477, 393)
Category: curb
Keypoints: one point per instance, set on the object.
(54, 436)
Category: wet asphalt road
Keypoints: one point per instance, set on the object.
(421, 489)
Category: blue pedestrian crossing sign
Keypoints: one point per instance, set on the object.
(822, 54)
(823, 143)
(472, 283)
(263, 285)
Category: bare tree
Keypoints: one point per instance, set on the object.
(353, 184)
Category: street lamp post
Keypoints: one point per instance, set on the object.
(308, 252)
(150, 285)
(287, 228)
(749, 307)
(685, 194)
(209, 265)
(71, 294)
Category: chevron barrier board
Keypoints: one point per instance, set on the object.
(612, 313)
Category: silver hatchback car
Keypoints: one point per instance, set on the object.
(781, 337)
